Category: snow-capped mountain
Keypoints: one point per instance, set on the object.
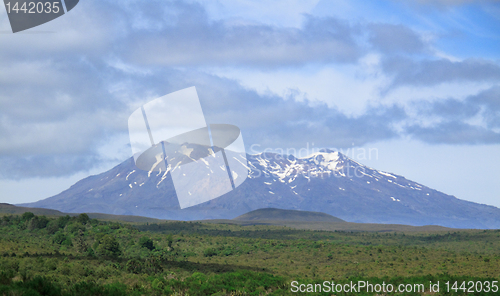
(327, 182)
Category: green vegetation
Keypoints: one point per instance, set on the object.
(83, 256)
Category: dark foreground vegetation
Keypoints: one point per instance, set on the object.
(82, 256)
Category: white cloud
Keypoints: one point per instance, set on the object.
(350, 89)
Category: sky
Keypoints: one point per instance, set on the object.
(418, 81)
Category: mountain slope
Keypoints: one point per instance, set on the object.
(327, 182)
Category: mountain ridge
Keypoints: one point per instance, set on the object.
(327, 182)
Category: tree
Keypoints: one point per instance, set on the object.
(27, 216)
(108, 246)
(38, 222)
(147, 243)
(61, 239)
(83, 219)
(79, 242)
(170, 241)
(62, 221)
(52, 227)
(134, 266)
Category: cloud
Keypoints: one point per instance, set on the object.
(68, 141)
(273, 121)
(15, 168)
(474, 120)
(202, 43)
(489, 101)
(454, 132)
(65, 95)
(180, 33)
(395, 39)
(433, 72)
(446, 109)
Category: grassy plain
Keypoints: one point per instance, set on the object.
(82, 256)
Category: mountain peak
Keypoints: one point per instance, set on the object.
(325, 153)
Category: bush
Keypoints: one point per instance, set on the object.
(6, 277)
(147, 243)
(108, 246)
(60, 239)
(83, 219)
(38, 222)
(152, 265)
(43, 286)
(75, 227)
(27, 216)
(114, 225)
(209, 252)
(92, 289)
(52, 227)
(134, 266)
(62, 221)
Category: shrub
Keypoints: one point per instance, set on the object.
(52, 227)
(114, 225)
(134, 266)
(147, 243)
(62, 221)
(83, 219)
(209, 252)
(80, 243)
(6, 277)
(152, 265)
(75, 227)
(109, 246)
(91, 288)
(60, 238)
(27, 216)
(38, 222)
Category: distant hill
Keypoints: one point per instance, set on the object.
(319, 221)
(335, 226)
(274, 214)
(8, 209)
(268, 216)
